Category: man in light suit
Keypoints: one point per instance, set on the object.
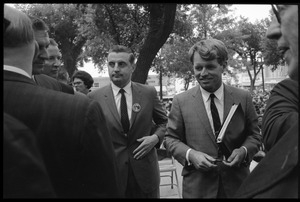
(135, 142)
(191, 129)
(70, 130)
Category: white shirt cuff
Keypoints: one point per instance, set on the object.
(246, 152)
(187, 156)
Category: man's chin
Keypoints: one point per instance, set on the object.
(293, 70)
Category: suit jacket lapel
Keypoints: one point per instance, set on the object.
(111, 104)
(200, 108)
(136, 96)
(229, 100)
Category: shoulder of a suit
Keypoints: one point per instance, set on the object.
(233, 89)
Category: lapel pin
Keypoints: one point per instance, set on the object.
(136, 107)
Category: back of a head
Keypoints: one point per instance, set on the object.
(38, 24)
(19, 32)
(122, 49)
(85, 77)
(210, 49)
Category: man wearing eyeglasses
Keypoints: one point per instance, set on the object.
(276, 176)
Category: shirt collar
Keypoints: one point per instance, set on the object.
(16, 70)
(218, 93)
(116, 89)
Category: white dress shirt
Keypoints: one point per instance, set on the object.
(128, 96)
(219, 101)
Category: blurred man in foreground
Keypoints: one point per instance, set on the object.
(277, 174)
(70, 130)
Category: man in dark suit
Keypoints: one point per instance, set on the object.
(131, 130)
(42, 37)
(193, 127)
(24, 172)
(277, 174)
(71, 131)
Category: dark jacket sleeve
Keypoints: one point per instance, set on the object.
(160, 119)
(24, 172)
(99, 174)
(281, 112)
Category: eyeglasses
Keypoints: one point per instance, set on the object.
(276, 12)
(77, 83)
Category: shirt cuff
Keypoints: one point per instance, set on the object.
(245, 151)
(187, 156)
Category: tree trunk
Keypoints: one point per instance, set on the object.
(70, 66)
(162, 18)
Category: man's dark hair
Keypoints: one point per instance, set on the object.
(122, 49)
(38, 24)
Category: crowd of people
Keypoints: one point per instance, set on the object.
(63, 141)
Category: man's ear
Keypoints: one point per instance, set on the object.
(133, 67)
(36, 50)
(224, 65)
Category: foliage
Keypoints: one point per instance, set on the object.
(245, 40)
(173, 56)
(108, 24)
(210, 19)
(271, 54)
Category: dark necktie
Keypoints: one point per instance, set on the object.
(215, 114)
(124, 114)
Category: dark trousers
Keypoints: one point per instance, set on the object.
(221, 191)
(133, 190)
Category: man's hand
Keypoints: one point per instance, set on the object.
(236, 158)
(147, 143)
(201, 160)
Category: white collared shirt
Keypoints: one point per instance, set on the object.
(128, 95)
(16, 70)
(219, 101)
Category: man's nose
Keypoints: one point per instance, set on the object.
(116, 67)
(203, 71)
(57, 63)
(44, 54)
(274, 31)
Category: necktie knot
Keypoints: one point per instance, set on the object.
(212, 96)
(122, 91)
